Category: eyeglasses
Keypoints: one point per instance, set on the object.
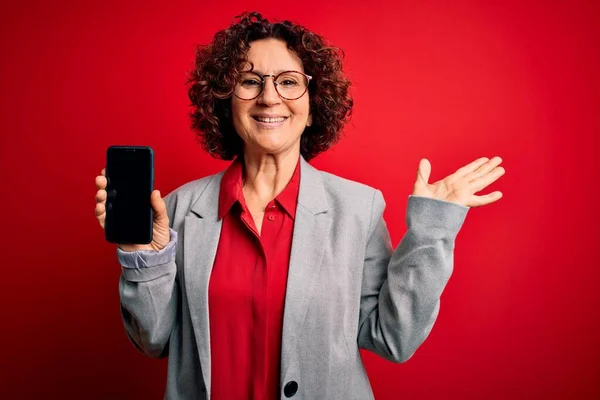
(289, 85)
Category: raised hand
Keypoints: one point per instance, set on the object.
(461, 186)
(160, 226)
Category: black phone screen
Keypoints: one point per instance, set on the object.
(130, 177)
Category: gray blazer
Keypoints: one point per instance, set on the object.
(347, 288)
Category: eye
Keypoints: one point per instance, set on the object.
(251, 83)
(288, 82)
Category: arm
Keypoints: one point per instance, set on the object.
(401, 289)
(149, 293)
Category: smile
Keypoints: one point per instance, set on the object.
(270, 120)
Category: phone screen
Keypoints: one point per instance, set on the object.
(129, 172)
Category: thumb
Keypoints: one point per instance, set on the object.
(424, 171)
(159, 206)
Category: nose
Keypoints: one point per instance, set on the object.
(269, 95)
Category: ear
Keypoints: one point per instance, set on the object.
(309, 122)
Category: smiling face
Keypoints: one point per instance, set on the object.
(269, 124)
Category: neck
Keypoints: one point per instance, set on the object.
(266, 175)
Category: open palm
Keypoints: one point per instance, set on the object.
(461, 186)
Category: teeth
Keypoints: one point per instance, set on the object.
(279, 119)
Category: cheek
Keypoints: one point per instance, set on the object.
(235, 110)
(301, 110)
(238, 113)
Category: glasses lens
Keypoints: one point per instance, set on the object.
(291, 85)
(249, 86)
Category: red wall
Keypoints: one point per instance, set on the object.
(519, 318)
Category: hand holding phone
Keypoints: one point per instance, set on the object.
(132, 214)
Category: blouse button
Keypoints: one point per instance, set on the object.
(271, 217)
(290, 388)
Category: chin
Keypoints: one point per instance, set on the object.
(272, 147)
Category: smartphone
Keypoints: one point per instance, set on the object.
(130, 181)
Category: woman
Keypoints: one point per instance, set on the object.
(264, 280)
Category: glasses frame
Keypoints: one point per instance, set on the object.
(263, 81)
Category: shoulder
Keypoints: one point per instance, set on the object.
(346, 194)
(195, 187)
(183, 197)
(338, 186)
(190, 190)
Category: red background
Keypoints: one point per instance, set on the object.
(450, 83)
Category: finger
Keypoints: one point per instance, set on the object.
(101, 196)
(100, 182)
(100, 212)
(103, 173)
(159, 206)
(100, 209)
(484, 169)
(478, 201)
(484, 181)
(424, 171)
(467, 169)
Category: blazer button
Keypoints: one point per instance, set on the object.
(290, 388)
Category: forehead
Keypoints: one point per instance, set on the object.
(272, 56)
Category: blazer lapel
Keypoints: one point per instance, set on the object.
(311, 228)
(202, 232)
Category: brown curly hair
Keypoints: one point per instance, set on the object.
(217, 70)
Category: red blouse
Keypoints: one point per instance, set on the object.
(247, 291)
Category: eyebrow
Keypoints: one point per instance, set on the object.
(275, 73)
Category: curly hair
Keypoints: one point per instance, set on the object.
(217, 70)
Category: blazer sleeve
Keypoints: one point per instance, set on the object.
(401, 289)
(149, 293)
